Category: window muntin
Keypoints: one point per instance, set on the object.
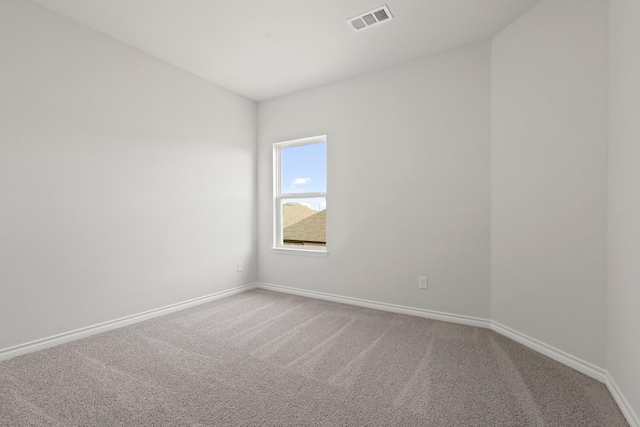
(300, 196)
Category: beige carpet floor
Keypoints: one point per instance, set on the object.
(268, 359)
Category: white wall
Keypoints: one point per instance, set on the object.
(125, 183)
(549, 160)
(623, 356)
(408, 183)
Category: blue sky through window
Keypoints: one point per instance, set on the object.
(304, 170)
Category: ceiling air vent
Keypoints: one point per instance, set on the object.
(369, 19)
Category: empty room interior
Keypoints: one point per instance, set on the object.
(321, 213)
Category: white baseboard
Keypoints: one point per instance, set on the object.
(54, 340)
(574, 362)
(419, 312)
(539, 346)
(623, 403)
(567, 359)
(554, 353)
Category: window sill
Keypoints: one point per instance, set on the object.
(303, 252)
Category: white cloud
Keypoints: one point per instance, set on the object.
(300, 181)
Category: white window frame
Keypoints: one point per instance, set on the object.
(278, 246)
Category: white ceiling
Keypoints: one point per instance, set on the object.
(262, 49)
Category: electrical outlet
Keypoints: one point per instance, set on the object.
(422, 282)
(239, 267)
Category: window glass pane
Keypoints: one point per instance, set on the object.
(304, 221)
(304, 168)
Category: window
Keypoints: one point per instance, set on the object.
(300, 196)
